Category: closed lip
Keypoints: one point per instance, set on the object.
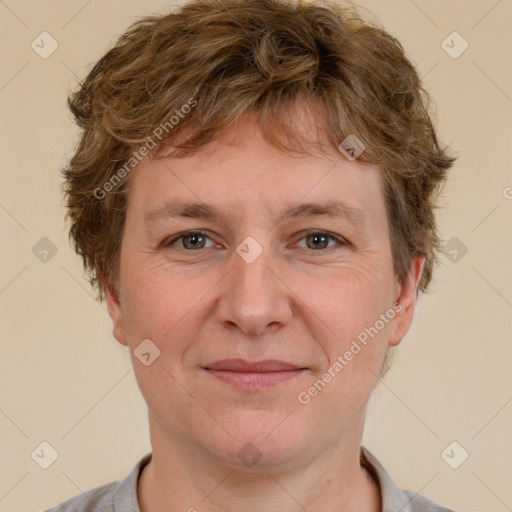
(243, 366)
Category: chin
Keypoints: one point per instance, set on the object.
(261, 441)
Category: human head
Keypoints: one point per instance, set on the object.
(172, 83)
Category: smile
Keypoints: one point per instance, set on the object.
(253, 376)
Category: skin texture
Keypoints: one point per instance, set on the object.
(295, 302)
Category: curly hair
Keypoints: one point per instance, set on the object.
(223, 59)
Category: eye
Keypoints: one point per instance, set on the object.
(191, 240)
(196, 240)
(320, 239)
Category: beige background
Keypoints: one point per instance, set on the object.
(65, 380)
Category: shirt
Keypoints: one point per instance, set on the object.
(122, 496)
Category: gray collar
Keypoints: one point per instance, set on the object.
(394, 499)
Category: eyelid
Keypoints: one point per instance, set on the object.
(172, 239)
(169, 241)
(337, 238)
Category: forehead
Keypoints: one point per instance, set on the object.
(240, 173)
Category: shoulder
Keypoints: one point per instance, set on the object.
(99, 498)
(112, 497)
(395, 499)
(418, 503)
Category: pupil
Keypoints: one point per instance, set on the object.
(318, 237)
(193, 239)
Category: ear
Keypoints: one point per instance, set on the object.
(406, 301)
(115, 311)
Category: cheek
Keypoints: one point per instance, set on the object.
(164, 309)
(170, 307)
(348, 306)
(353, 342)
(348, 297)
(157, 304)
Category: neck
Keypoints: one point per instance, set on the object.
(178, 478)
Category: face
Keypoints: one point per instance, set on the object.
(309, 295)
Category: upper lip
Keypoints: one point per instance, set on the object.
(241, 365)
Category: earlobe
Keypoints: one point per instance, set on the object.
(406, 301)
(116, 314)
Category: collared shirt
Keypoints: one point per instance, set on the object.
(122, 496)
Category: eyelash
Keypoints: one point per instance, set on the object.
(167, 243)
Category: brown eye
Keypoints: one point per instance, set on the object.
(195, 241)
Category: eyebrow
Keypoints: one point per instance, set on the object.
(334, 208)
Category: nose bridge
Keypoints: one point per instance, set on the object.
(253, 297)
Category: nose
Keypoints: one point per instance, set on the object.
(254, 297)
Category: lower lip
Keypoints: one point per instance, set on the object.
(253, 381)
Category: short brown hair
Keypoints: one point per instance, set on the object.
(260, 57)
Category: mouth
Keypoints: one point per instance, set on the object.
(253, 376)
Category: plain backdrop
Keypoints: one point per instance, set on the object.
(66, 381)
